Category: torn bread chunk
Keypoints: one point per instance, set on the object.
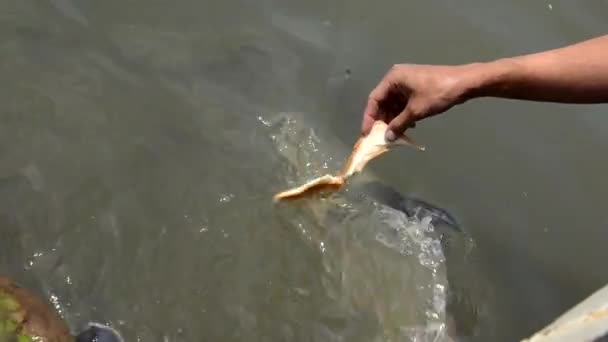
(365, 149)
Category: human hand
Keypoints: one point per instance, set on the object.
(411, 92)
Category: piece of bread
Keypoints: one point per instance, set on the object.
(365, 149)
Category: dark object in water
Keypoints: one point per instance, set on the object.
(99, 333)
(411, 206)
(24, 316)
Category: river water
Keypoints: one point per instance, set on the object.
(142, 142)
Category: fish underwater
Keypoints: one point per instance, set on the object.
(383, 252)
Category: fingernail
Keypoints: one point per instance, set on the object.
(389, 135)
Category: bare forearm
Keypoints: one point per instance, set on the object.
(573, 74)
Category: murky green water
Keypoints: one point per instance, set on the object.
(142, 143)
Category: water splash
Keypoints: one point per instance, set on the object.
(264, 122)
(226, 198)
(406, 293)
(32, 260)
(416, 236)
(54, 299)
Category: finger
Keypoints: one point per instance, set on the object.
(371, 113)
(400, 123)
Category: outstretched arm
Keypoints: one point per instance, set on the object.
(408, 93)
(573, 74)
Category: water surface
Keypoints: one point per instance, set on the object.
(142, 143)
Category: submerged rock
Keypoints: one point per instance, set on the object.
(25, 317)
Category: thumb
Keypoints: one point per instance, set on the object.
(400, 123)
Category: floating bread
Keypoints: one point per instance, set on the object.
(367, 148)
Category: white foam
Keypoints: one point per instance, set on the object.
(417, 237)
